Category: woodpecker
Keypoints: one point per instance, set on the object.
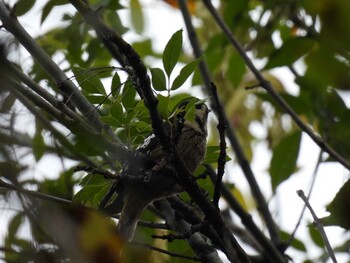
(189, 136)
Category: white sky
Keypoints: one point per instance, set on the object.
(161, 22)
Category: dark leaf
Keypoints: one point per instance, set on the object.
(291, 51)
(23, 6)
(185, 72)
(285, 155)
(340, 208)
(137, 18)
(158, 79)
(172, 52)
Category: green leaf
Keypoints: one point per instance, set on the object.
(185, 72)
(14, 224)
(212, 155)
(291, 51)
(7, 103)
(116, 85)
(285, 155)
(339, 208)
(316, 236)
(128, 96)
(296, 243)
(163, 103)
(116, 112)
(89, 81)
(158, 79)
(23, 6)
(172, 52)
(49, 6)
(38, 143)
(110, 120)
(97, 99)
(236, 69)
(94, 188)
(137, 18)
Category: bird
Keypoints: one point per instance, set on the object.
(189, 136)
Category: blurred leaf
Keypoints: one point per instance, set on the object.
(137, 18)
(158, 79)
(340, 208)
(338, 132)
(7, 103)
(291, 51)
(143, 48)
(14, 225)
(236, 69)
(172, 52)
(185, 72)
(48, 8)
(39, 145)
(296, 243)
(325, 68)
(315, 236)
(113, 20)
(284, 158)
(23, 6)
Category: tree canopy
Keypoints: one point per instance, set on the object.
(86, 92)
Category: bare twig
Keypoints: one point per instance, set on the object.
(222, 156)
(319, 225)
(290, 239)
(267, 86)
(242, 160)
(269, 250)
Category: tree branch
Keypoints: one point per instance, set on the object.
(222, 156)
(184, 177)
(205, 252)
(319, 225)
(66, 86)
(242, 160)
(267, 86)
(269, 249)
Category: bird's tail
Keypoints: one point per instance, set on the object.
(130, 215)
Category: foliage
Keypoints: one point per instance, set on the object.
(100, 124)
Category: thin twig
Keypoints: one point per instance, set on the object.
(269, 250)
(319, 225)
(222, 155)
(267, 86)
(291, 238)
(242, 160)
